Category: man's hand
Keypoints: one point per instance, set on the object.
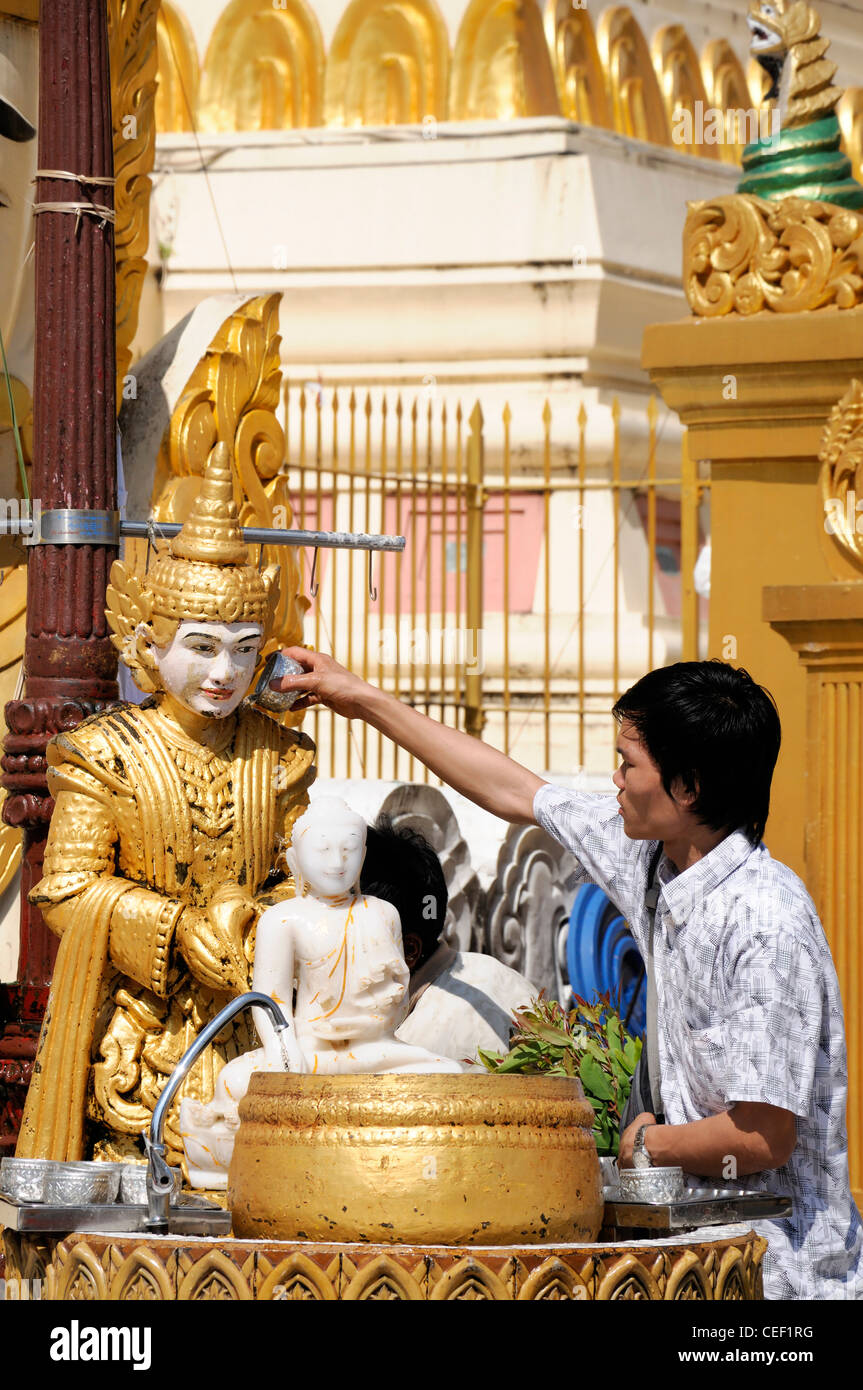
(478, 771)
(627, 1138)
(324, 682)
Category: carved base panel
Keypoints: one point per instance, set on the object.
(119, 1268)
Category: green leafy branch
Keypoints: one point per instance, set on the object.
(590, 1043)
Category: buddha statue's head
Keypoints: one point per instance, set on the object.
(195, 625)
(328, 845)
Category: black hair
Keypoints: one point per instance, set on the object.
(402, 868)
(715, 729)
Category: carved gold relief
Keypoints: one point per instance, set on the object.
(132, 46)
(637, 105)
(388, 64)
(213, 1277)
(627, 1280)
(128, 1267)
(264, 68)
(726, 88)
(578, 71)
(232, 397)
(841, 459)
(383, 1278)
(680, 81)
(178, 71)
(501, 66)
(743, 254)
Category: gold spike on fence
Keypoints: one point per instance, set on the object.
(541, 575)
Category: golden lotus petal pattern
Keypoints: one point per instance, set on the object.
(127, 1268)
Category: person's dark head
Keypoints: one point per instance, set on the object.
(402, 868)
(712, 735)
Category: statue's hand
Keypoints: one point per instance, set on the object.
(230, 909)
(214, 958)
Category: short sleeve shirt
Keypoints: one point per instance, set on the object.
(748, 1010)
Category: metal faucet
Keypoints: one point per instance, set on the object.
(159, 1176)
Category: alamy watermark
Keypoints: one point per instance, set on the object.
(419, 646)
(843, 514)
(710, 125)
(20, 517)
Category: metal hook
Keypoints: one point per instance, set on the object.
(261, 558)
(373, 593)
(313, 587)
(151, 543)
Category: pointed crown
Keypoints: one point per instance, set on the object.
(204, 575)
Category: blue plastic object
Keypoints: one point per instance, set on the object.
(602, 957)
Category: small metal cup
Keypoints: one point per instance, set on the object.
(275, 667)
(133, 1184)
(24, 1179)
(82, 1184)
(651, 1184)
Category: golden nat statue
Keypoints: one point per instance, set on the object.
(169, 818)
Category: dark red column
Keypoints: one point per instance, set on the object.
(70, 665)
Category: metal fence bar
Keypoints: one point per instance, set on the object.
(381, 584)
(429, 512)
(474, 712)
(397, 596)
(582, 530)
(410, 481)
(546, 511)
(507, 561)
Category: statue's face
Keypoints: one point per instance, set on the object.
(329, 854)
(208, 667)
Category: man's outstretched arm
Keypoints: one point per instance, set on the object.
(466, 764)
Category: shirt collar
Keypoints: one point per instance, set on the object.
(683, 894)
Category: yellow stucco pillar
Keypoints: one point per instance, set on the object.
(823, 625)
(755, 394)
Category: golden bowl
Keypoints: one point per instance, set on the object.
(416, 1159)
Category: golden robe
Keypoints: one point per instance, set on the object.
(147, 822)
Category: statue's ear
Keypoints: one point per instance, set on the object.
(138, 656)
(291, 861)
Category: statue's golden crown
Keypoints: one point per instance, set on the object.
(203, 575)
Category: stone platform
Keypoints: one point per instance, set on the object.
(720, 1264)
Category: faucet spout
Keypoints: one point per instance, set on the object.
(159, 1177)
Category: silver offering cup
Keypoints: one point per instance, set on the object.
(275, 667)
(133, 1184)
(651, 1184)
(24, 1179)
(82, 1184)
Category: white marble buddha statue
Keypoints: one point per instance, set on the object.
(333, 959)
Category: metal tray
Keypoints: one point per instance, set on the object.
(701, 1206)
(192, 1216)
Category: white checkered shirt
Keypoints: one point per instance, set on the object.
(748, 1010)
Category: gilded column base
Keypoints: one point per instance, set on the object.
(120, 1268)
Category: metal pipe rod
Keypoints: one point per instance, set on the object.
(79, 528)
(262, 535)
(159, 1177)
